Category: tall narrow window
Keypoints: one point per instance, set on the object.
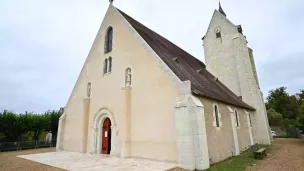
(105, 66)
(237, 119)
(89, 90)
(128, 77)
(250, 119)
(109, 40)
(216, 116)
(110, 64)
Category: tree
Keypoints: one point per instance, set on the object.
(274, 118)
(22, 125)
(292, 108)
(28, 126)
(276, 98)
(53, 122)
(9, 126)
(38, 124)
(300, 97)
(300, 117)
(280, 101)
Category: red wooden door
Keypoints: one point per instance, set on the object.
(106, 137)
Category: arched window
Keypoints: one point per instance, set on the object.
(110, 64)
(237, 118)
(128, 77)
(105, 66)
(250, 120)
(216, 116)
(108, 40)
(89, 90)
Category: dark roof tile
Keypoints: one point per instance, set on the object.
(203, 83)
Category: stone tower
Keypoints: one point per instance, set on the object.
(229, 59)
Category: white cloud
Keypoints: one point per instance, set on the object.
(43, 44)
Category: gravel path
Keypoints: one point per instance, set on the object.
(9, 161)
(286, 155)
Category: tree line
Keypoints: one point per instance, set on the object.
(284, 110)
(27, 126)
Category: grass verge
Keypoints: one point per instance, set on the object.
(237, 163)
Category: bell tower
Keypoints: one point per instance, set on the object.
(229, 59)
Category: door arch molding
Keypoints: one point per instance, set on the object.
(98, 119)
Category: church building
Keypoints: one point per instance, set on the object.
(139, 95)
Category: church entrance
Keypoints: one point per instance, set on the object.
(106, 137)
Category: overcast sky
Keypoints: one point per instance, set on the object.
(44, 43)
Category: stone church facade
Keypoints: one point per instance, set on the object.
(139, 95)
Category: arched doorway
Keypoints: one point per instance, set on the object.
(106, 137)
(98, 133)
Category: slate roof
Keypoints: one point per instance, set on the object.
(221, 10)
(187, 67)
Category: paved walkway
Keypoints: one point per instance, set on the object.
(10, 162)
(89, 162)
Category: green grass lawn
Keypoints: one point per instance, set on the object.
(237, 163)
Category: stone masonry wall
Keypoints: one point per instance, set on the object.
(228, 58)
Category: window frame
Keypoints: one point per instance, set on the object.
(110, 59)
(108, 43)
(237, 118)
(89, 87)
(126, 77)
(217, 118)
(105, 66)
(218, 35)
(250, 122)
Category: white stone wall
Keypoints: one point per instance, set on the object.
(60, 132)
(228, 139)
(219, 56)
(234, 131)
(250, 91)
(191, 135)
(152, 111)
(229, 59)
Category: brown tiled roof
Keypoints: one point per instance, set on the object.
(187, 67)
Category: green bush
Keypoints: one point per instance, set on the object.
(27, 126)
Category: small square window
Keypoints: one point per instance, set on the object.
(218, 35)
